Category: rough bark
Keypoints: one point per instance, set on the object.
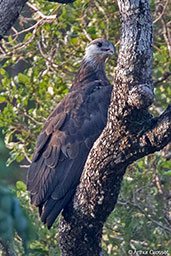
(10, 10)
(130, 134)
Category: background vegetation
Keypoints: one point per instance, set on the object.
(38, 60)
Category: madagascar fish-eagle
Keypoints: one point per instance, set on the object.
(69, 133)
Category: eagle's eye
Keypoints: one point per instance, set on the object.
(99, 44)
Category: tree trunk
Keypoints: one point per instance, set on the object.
(130, 134)
(10, 10)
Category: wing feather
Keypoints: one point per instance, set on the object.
(63, 147)
(53, 208)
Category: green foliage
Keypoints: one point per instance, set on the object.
(36, 72)
(163, 63)
(13, 219)
(20, 228)
(140, 219)
(45, 241)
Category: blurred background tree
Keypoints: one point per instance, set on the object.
(38, 59)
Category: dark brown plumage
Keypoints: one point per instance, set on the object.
(69, 133)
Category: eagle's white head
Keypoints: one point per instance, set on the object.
(98, 50)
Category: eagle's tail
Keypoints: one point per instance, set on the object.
(52, 208)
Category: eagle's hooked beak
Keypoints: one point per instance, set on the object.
(110, 50)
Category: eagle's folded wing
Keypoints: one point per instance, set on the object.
(63, 147)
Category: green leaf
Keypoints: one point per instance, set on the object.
(21, 186)
(2, 99)
(2, 71)
(23, 78)
(167, 173)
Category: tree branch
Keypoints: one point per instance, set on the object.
(146, 214)
(162, 78)
(158, 135)
(135, 54)
(153, 136)
(10, 10)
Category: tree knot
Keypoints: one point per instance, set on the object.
(141, 96)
